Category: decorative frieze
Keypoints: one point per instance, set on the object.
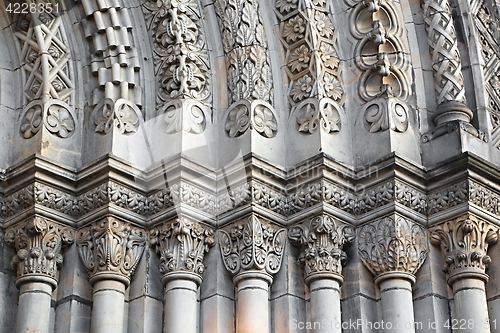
(322, 241)
(182, 245)
(252, 246)
(38, 243)
(308, 34)
(248, 68)
(110, 249)
(464, 242)
(181, 64)
(48, 89)
(382, 55)
(392, 244)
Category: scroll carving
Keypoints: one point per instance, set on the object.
(182, 245)
(48, 75)
(181, 64)
(315, 93)
(392, 245)
(38, 243)
(252, 246)
(322, 242)
(248, 68)
(111, 249)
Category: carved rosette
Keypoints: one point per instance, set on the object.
(45, 61)
(382, 55)
(111, 249)
(392, 245)
(312, 65)
(249, 73)
(38, 243)
(464, 243)
(182, 245)
(322, 242)
(252, 246)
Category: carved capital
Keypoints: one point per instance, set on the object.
(111, 249)
(322, 241)
(464, 242)
(252, 246)
(392, 245)
(182, 245)
(38, 243)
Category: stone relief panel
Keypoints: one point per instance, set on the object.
(115, 64)
(181, 60)
(48, 75)
(382, 56)
(309, 37)
(249, 73)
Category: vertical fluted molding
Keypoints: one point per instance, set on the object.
(464, 242)
(252, 252)
(110, 250)
(322, 240)
(182, 245)
(393, 249)
(38, 243)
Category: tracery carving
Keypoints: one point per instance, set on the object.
(110, 249)
(446, 63)
(322, 241)
(182, 245)
(252, 246)
(115, 64)
(382, 56)
(392, 245)
(464, 242)
(249, 73)
(181, 63)
(315, 93)
(48, 75)
(38, 243)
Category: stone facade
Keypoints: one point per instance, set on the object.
(250, 166)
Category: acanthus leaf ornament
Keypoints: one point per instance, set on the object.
(322, 240)
(110, 249)
(252, 246)
(38, 243)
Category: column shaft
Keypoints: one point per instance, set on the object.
(397, 305)
(324, 310)
(181, 307)
(252, 306)
(108, 307)
(33, 313)
(471, 309)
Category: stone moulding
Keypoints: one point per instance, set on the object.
(182, 245)
(38, 243)
(252, 246)
(392, 244)
(322, 240)
(110, 249)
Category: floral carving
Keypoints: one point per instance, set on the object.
(182, 245)
(448, 197)
(322, 242)
(261, 118)
(181, 63)
(38, 243)
(315, 92)
(252, 246)
(464, 243)
(392, 245)
(122, 114)
(110, 249)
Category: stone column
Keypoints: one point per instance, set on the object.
(252, 252)
(110, 250)
(393, 249)
(464, 243)
(322, 241)
(38, 243)
(182, 245)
